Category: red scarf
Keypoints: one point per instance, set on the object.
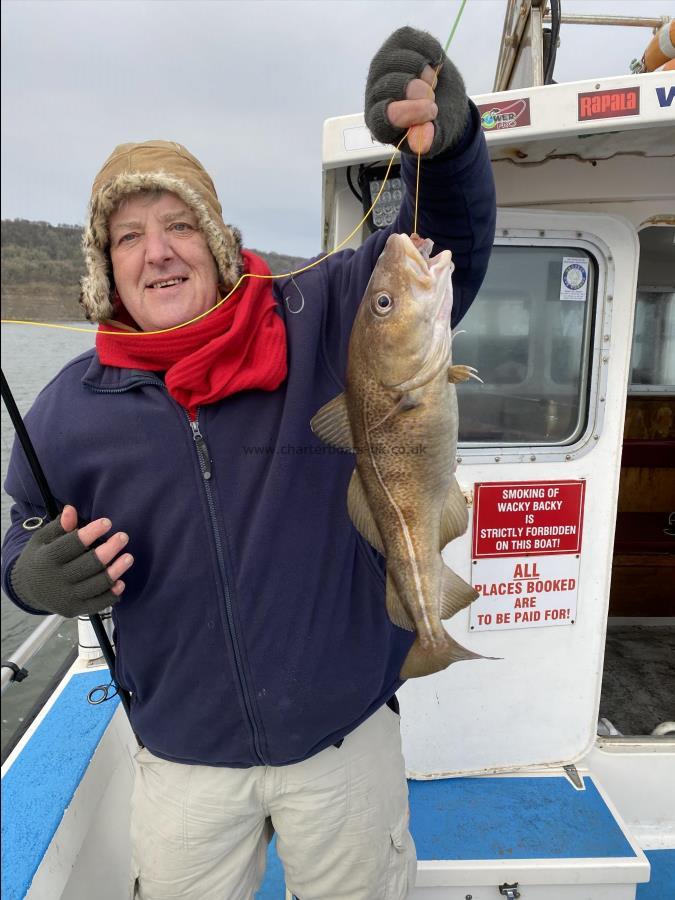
(240, 346)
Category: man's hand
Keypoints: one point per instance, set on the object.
(58, 573)
(417, 111)
(412, 84)
(105, 553)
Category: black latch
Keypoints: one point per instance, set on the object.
(510, 891)
(19, 674)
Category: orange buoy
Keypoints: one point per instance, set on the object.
(661, 48)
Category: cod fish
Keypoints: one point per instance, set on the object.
(399, 414)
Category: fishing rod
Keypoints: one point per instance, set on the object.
(53, 511)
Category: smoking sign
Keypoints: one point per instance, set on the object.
(526, 547)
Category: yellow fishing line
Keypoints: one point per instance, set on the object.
(417, 190)
(419, 152)
(268, 277)
(227, 296)
(92, 330)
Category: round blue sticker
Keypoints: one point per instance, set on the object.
(574, 277)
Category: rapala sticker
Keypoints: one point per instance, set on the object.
(609, 104)
(664, 99)
(505, 114)
(574, 278)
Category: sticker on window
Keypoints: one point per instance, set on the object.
(574, 278)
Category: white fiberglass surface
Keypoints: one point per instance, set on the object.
(535, 701)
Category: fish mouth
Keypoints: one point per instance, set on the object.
(415, 263)
(431, 274)
(418, 261)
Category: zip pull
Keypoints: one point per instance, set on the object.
(202, 450)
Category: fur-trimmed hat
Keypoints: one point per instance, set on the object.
(151, 166)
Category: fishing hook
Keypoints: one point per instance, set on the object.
(302, 297)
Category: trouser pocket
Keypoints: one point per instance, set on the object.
(402, 863)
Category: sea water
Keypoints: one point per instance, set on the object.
(31, 357)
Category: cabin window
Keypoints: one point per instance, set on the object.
(653, 356)
(529, 337)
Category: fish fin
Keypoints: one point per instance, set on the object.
(331, 424)
(406, 402)
(398, 614)
(456, 594)
(361, 514)
(455, 516)
(462, 373)
(425, 660)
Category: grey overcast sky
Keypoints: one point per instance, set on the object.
(244, 84)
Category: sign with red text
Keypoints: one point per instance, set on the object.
(527, 517)
(524, 593)
(526, 548)
(609, 104)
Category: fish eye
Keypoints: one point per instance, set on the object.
(382, 304)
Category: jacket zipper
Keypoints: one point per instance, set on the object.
(205, 466)
(202, 450)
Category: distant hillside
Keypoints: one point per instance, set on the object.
(42, 265)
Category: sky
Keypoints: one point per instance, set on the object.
(245, 84)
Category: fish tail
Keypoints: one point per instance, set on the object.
(425, 659)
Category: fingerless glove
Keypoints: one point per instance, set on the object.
(56, 573)
(399, 60)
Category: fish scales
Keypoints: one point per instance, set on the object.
(399, 414)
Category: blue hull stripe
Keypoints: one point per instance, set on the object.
(454, 819)
(512, 818)
(661, 885)
(41, 783)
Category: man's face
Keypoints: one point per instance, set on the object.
(155, 240)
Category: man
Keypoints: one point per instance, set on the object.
(250, 622)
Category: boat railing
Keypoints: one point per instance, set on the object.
(13, 669)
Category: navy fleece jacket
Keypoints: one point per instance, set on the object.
(253, 627)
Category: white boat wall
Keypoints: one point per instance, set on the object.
(512, 791)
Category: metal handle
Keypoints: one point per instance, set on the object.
(510, 891)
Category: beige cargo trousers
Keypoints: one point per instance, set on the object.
(341, 820)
